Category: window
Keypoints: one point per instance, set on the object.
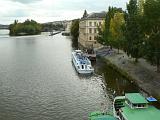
(90, 23)
(95, 30)
(95, 37)
(95, 24)
(90, 38)
(82, 67)
(90, 30)
(100, 23)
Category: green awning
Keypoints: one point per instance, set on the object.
(103, 117)
(150, 113)
(97, 115)
(135, 98)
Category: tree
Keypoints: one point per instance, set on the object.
(151, 28)
(104, 33)
(141, 6)
(29, 27)
(101, 34)
(116, 32)
(133, 31)
(75, 29)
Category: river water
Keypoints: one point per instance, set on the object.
(38, 81)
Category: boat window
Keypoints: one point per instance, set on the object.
(134, 105)
(85, 66)
(82, 67)
(139, 105)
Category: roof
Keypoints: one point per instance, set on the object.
(97, 15)
(135, 98)
(151, 99)
(99, 116)
(100, 15)
(150, 113)
(104, 117)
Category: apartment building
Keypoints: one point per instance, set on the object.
(88, 29)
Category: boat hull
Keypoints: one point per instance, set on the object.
(121, 98)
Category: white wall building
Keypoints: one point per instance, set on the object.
(88, 29)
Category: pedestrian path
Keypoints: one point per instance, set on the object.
(142, 72)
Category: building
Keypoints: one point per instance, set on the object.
(88, 29)
(68, 26)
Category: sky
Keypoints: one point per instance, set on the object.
(52, 10)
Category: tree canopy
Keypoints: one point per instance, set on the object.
(151, 28)
(75, 29)
(29, 27)
(116, 33)
(136, 30)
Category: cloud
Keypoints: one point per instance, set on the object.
(52, 10)
(25, 1)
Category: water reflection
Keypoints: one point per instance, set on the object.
(115, 83)
(74, 43)
(39, 82)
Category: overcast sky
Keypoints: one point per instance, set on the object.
(52, 10)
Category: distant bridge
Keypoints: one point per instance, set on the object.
(4, 26)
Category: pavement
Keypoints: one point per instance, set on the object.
(143, 73)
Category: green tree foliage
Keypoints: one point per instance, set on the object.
(101, 38)
(29, 27)
(75, 29)
(141, 6)
(116, 33)
(151, 28)
(139, 36)
(133, 31)
(104, 34)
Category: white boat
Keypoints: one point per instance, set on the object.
(81, 62)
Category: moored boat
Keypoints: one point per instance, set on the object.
(133, 106)
(81, 62)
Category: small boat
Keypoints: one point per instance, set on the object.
(54, 33)
(81, 62)
(66, 33)
(100, 116)
(133, 106)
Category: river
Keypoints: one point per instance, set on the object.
(38, 81)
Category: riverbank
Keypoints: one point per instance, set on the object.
(142, 73)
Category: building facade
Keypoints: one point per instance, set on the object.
(68, 25)
(88, 29)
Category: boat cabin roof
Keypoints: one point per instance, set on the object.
(136, 98)
(150, 113)
(104, 117)
(100, 116)
(78, 51)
